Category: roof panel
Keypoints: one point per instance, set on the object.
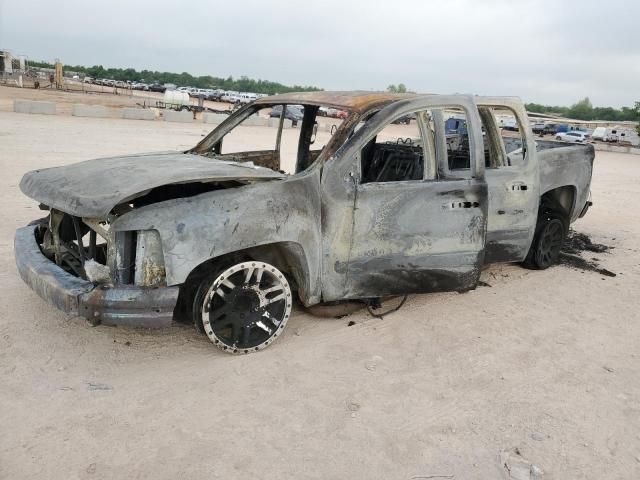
(357, 101)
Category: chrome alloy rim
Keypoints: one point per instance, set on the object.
(247, 307)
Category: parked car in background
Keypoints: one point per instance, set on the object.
(293, 112)
(196, 92)
(561, 128)
(538, 128)
(88, 80)
(156, 87)
(510, 125)
(549, 129)
(573, 137)
(215, 95)
(229, 96)
(245, 98)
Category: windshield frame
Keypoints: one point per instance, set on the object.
(208, 144)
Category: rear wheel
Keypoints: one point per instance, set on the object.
(243, 308)
(551, 231)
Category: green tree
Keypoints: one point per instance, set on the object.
(400, 88)
(583, 110)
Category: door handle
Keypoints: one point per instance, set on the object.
(519, 186)
(465, 204)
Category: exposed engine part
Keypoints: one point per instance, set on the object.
(96, 272)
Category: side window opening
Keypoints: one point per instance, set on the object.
(454, 144)
(504, 144)
(457, 139)
(395, 154)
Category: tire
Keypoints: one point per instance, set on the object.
(551, 230)
(243, 307)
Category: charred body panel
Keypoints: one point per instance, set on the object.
(210, 225)
(402, 236)
(568, 166)
(94, 187)
(514, 188)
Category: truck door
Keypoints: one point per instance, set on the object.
(513, 181)
(391, 224)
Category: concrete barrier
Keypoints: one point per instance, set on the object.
(215, 118)
(81, 110)
(137, 114)
(29, 106)
(182, 116)
(603, 147)
(256, 121)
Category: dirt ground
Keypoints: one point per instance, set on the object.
(545, 363)
(88, 95)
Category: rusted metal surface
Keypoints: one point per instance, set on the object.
(129, 306)
(44, 277)
(125, 305)
(358, 101)
(337, 235)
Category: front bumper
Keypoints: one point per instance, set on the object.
(124, 305)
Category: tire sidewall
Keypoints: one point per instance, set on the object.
(546, 215)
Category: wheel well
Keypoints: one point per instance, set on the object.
(563, 197)
(288, 257)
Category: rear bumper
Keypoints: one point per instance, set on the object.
(124, 305)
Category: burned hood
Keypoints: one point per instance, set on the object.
(92, 188)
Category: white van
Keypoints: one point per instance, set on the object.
(229, 96)
(246, 98)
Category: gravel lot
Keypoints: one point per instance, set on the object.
(543, 362)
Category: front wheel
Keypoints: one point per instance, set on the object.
(551, 231)
(243, 308)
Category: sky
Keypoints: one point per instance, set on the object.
(551, 52)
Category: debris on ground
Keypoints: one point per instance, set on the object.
(577, 242)
(574, 245)
(518, 468)
(98, 386)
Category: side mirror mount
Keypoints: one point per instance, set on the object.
(314, 133)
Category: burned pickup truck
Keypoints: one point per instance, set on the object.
(230, 231)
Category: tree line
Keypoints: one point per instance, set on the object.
(184, 79)
(584, 110)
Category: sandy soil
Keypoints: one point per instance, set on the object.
(543, 362)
